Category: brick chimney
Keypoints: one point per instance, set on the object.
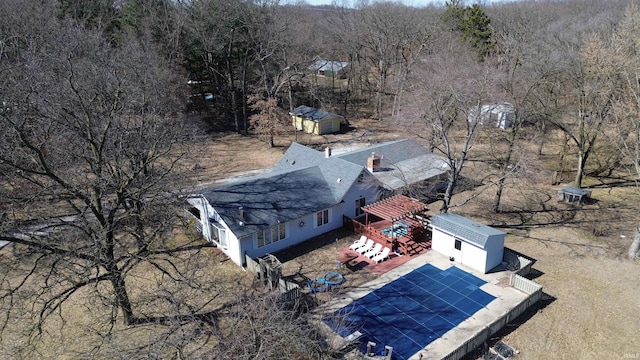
(373, 162)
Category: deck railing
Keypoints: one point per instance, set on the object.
(404, 242)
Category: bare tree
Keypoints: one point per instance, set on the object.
(270, 120)
(87, 157)
(523, 73)
(595, 85)
(446, 109)
(392, 39)
(626, 107)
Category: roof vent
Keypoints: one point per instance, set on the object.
(241, 213)
(327, 152)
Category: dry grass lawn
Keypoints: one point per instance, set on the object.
(591, 305)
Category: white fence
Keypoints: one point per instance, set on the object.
(524, 284)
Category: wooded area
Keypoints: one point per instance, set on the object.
(96, 143)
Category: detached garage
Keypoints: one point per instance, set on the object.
(315, 121)
(467, 242)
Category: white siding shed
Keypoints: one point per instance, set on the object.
(467, 242)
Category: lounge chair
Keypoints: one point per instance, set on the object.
(382, 256)
(368, 245)
(373, 251)
(356, 244)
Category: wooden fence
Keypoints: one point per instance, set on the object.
(534, 290)
(194, 221)
(289, 291)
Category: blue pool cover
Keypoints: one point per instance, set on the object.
(412, 311)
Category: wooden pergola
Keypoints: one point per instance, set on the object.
(394, 208)
(397, 209)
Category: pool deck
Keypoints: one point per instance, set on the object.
(507, 298)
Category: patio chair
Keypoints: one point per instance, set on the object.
(356, 244)
(373, 251)
(382, 256)
(368, 245)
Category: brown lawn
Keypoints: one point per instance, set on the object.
(591, 305)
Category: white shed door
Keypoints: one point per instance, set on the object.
(326, 127)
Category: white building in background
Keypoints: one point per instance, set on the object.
(501, 115)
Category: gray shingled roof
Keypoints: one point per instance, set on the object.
(464, 228)
(270, 198)
(575, 191)
(403, 162)
(302, 182)
(314, 114)
(326, 65)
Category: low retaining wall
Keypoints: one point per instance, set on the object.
(527, 286)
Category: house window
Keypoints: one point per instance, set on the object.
(260, 239)
(219, 234)
(271, 235)
(458, 244)
(222, 235)
(359, 204)
(322, 217)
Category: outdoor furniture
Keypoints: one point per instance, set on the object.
(373, 251)
(358, 243)
(362, 249)
(354, 265)
(382, 256)
(574, 195)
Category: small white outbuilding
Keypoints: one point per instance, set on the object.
(467, 242)
(501, 115)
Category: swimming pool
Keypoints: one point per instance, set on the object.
(412, 311)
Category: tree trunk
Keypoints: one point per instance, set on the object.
(582, 160)
(245, 112)
(498, 198)
(634, 248)
(565, 148)
(543, 130)
(451, 184)
(122, 297)
(504, 168)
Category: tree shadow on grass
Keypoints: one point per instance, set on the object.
(317, 242)
(512, 326)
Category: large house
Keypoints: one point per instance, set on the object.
(307, 193)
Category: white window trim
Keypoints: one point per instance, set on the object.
(270, 230)
(315, 218)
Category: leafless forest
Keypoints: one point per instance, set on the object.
(104, 104)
